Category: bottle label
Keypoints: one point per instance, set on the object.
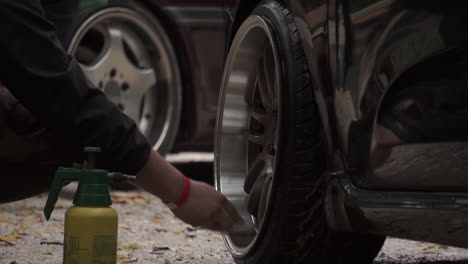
(99, 250)
(104, 246)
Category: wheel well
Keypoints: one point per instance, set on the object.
(425, 71)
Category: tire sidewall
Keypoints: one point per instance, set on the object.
(267, 241)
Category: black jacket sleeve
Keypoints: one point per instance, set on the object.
(39, 73)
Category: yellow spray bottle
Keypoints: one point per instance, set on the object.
(91, 224)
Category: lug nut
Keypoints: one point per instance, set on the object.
(125, 86)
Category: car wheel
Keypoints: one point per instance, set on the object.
(124, 50)
(268, 150)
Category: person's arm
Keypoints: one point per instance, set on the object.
(39, 73)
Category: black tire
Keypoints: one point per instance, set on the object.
(169, 88)
(297, 230)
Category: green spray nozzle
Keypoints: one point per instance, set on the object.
(91, 156)
(93, 183)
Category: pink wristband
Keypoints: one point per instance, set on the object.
(183, 196)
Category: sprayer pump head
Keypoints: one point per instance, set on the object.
(93, 189)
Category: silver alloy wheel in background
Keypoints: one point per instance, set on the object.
(247, 134)
(131, 59)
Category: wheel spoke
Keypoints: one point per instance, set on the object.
(269, 161)
(138, 77)
(146, 115)
(266, 79)
(255, 169)
(116, 43)
(257, 113)
(133, 107)
(140, 51)
(262, 84)
(256, 138)
(255, 195)
(142, 78)
(263, 202)
(95, 73)
(137, 86)
(270, 75)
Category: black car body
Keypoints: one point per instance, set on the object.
(390, 85)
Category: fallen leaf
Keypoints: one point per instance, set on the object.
(130, 246)
(176, 231)
(57, 224)
(126, 195)
(44, 234)
(128, 198)
(31, 220)
(131, 212)
(22, 230)
(160, 230)
(157, 219)
(124, 226)
(4, 219)
(26, 222)
(123, 257)
(132, 260)
(10, 238)
(49, 251)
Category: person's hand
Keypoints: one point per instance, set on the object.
(208, 208)
(204, 206)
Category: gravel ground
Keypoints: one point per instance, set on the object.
(149, 233)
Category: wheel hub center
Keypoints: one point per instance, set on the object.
(112, 91)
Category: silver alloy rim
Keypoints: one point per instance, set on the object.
(247, 135)
(121, 53)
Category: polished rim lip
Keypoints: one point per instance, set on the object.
(160, 42)
(249, 24)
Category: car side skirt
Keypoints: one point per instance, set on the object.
(439, 217)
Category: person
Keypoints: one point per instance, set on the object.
(49, 112)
